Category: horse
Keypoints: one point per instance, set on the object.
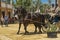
(36, 18)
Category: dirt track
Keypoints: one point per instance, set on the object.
(9, 33)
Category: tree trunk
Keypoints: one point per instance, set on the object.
(0, 10)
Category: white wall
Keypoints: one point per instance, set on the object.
(4, 5)
(9, 6)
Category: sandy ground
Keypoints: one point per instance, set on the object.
(9, 33)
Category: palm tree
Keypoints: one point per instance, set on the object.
(55, 4)
(49, 1)
(38, 4)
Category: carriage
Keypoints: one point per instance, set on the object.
(39, 20)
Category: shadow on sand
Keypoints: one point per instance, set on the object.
(31, 33)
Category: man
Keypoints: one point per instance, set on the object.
(37, 11)
(2, 21)
(6, 20)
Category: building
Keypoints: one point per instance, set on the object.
(6, 8)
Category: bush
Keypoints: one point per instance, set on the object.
(53, 28)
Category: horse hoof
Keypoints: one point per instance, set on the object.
(35, 32)
(17, 33)
(58, 31)
(40, 32)
(26, 32)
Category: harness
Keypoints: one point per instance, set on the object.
(31, 19)
(26, 18)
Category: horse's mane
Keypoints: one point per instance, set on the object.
(22, 11)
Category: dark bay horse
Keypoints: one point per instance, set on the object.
(36, 18)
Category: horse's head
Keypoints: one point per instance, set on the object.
(21, 11)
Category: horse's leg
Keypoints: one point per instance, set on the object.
(19, 28)
(39, 27)
(35, 28)
(25, 27)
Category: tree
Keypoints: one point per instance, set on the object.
(36, 4)
(49, 2)
(55, 4)
(29, 4)
(43, 7)
(25, 3)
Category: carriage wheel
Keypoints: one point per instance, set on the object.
(48, 28)
(45, 29)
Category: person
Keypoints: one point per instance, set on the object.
(37, 11)
(2, 21)
(57, 9)
(6, 20)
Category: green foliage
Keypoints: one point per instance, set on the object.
(43, 7)
(53, 28)
(31, 5)
(25, 3)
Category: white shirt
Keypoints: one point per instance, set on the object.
(37, 11)
(16, 16)
(52, 14)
